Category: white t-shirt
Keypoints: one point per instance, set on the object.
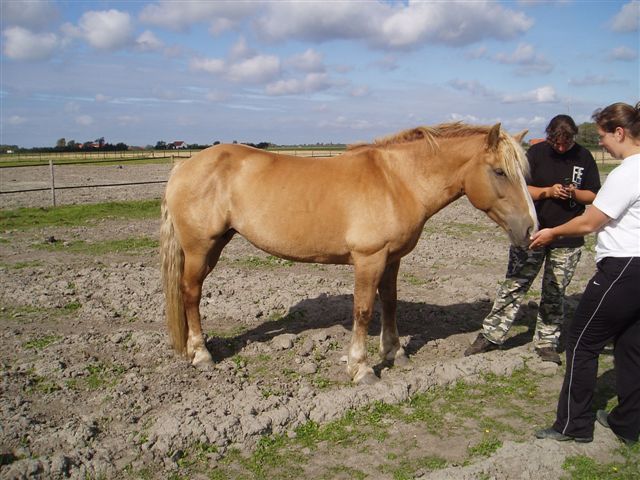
(619, 199)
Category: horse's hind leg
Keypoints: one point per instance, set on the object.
(390, 348)
(197, 265)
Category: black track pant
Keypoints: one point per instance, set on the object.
(609, 309)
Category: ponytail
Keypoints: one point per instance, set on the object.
(619, 115)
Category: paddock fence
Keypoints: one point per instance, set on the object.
(22, 175)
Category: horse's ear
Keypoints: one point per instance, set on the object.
(518, 137)
(493, 137)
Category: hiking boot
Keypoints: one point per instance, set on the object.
(549, 354)
(480, 345)
(602, 417)
(560, 437)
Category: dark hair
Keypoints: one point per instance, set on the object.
(619, 115)
(561, 127)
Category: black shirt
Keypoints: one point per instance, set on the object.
(549, 167)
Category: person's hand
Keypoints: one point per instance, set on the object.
(559, 191)
(541, 238)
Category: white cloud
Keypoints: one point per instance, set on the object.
(104, 30)
(628, 18)
(16, 120)
(361, 91)
(181, 15)
(527, 60)
(257, 69)
(100, 98)
(208, 65)
(127, 120)
(241, 50)
(452, 23)
(148, 42)
(313, 82)
(546, 94)
(319, 21)
(216, 96)
(71, 107)
(84, 120)
(21, 44)
(623, 54)
(472, 86)
(396, 26)
(593, 80)
(34, 14)
(308, 61)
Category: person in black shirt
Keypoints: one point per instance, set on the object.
(564, 178)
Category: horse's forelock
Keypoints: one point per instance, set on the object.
(514, 160)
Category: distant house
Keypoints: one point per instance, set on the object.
(178, 145)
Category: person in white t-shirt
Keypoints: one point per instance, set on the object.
(610, 305)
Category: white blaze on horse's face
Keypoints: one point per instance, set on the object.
(495, 184)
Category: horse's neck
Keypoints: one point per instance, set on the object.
(440, 175)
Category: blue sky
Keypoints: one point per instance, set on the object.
(306, 71)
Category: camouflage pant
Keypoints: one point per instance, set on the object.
(524, 265)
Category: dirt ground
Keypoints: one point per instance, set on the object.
(90, 388)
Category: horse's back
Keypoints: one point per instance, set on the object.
(314, 209)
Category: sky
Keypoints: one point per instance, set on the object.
(306, 72)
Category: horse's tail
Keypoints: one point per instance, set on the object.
(172, 265)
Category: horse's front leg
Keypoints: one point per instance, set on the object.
(368, 270)
(390, 348)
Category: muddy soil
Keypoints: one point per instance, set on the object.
(90, 388)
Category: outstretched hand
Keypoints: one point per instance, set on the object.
(541, 238)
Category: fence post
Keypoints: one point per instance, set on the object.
(53, 182)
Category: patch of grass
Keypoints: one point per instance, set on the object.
(413, 280)
(28, 311)
(101, 375)
(41, 343)
(581, 467)
(21, 265)
(486, 408)
(127, 245)
(270, 261)
(74, 215)
(485, 448)
(41, 385)
(405, 468)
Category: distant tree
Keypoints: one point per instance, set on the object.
(72, 145)
(122, 146)
(161, 145)
(217, 142)
(61, 143)
(100, 142)
(8, 148)
(588, 135)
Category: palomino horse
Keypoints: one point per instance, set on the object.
(366, 207)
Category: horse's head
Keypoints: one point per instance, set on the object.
(494, 183)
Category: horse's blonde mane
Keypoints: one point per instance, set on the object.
(511, 152)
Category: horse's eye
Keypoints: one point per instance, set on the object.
(499, 172)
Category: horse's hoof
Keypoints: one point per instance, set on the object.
(204, 365)
(401, 361)
(365, 376)
(368, 379)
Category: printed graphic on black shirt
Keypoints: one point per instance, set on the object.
(576, 178)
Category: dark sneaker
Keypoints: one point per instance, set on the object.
(480, 345)
(602, 417)
(549, 354)
(560, 437)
